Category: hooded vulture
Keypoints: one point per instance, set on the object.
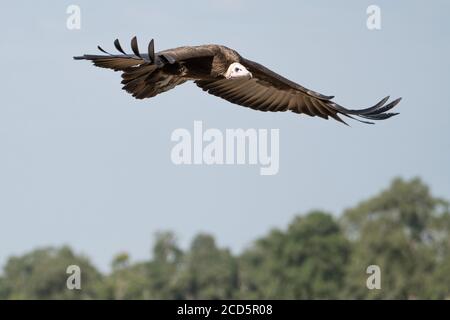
(223, 72)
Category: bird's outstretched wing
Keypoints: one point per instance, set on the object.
(269, 91)
(145, 75)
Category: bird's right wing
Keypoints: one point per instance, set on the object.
(142, 73)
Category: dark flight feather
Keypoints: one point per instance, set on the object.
(118, 46)
(134, 47)
(151, 51)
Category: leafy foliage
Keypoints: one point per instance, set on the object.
(404, 230)
(42, 274)
(305, 261)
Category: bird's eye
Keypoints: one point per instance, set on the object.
(236, 69)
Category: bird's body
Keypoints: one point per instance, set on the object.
(223, 72)
(205, 62)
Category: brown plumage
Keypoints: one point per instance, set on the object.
(224, 73)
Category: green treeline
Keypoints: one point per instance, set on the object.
(404, 230)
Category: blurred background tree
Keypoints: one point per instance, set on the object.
(42, 274)
(404, 230)
(307, 260)
(207, 272)
(163, 269)
(127, 281)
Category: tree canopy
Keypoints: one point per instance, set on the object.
(404, 230)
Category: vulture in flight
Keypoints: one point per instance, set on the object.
(223, 72)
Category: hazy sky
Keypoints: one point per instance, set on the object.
(83, 163)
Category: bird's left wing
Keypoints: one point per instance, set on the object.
(269, 91)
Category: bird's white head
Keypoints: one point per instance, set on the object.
(237, 70)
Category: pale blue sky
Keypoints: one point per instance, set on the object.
(83, 163)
